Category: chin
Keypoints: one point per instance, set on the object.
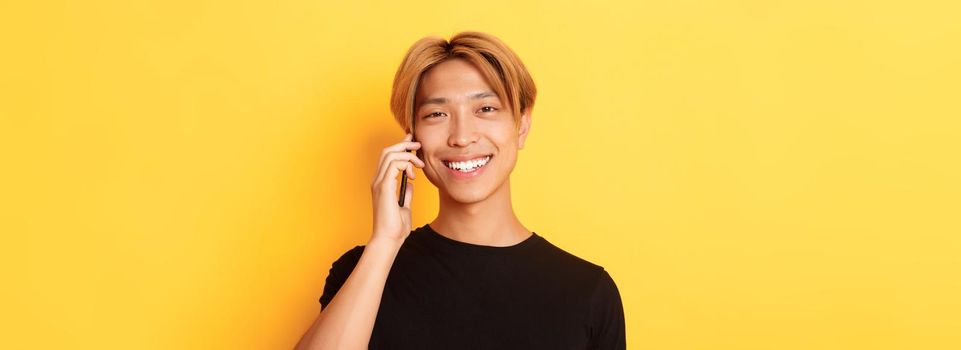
(469, 195)
(469, 192)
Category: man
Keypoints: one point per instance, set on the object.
(474, 277)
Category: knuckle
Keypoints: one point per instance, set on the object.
(390, 156)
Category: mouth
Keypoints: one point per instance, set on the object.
(468, 168)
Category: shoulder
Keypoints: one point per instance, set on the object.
(607, 327)
(349, 259)
(557, 256)
(585, 278)
(605, 287)
(338, 273)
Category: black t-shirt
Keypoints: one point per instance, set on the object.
(447, 294)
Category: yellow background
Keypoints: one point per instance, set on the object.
(753, 174)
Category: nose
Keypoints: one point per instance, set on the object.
(463, 132)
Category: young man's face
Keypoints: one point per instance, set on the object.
(460, 119)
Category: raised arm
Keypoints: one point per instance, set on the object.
(348, 320)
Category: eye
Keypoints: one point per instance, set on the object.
(432, 114)
(490, 110)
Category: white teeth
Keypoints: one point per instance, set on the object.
(468, 166)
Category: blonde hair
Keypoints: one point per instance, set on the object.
(496, 62)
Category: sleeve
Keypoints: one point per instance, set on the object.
(607, 316)
(339, 271)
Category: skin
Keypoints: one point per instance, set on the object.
(476, 211)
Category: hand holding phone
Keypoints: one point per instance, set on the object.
(403, 180)
(391, 220)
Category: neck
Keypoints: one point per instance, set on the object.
(489, 222)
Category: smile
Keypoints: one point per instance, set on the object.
(468, 168)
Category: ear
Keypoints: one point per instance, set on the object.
(525, 128)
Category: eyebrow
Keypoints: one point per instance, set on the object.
(443, 100)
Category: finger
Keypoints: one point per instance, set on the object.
(389, 179)
(409, 195)
(406, 169)
(386, 157)
(403, 156)
(385, 170)
(401, 147)
(396, 148)
(406, 156)
(411, 174)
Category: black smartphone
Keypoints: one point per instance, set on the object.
(403, 178)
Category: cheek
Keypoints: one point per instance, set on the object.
(431, 164)
(504, 162)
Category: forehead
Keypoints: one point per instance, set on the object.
(451, 78)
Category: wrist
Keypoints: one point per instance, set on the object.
(386, 242)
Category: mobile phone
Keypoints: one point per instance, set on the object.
(403, 179)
